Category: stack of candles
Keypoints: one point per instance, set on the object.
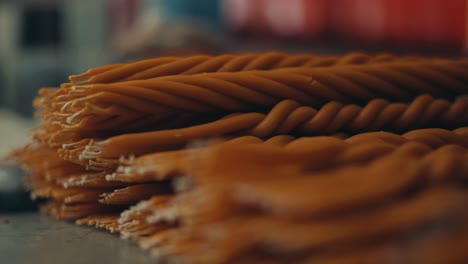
(262, 157)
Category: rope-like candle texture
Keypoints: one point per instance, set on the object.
(106, 153)
(136, 105)
(157, 67)
(289, 116)
(315, 152)
(299, 213)
(262, 157)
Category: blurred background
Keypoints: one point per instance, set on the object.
(44, 41)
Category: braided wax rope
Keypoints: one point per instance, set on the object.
(377, 179)
(303, 197)
(290, 117)
(106, 153)
(272, 60)
(431, 209)
(243, 91)
(157, 67)
(315, 152)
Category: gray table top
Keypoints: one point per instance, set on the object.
(36, 238)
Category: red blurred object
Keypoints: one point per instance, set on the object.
(291, 18)
(438, 22)
(428, 23)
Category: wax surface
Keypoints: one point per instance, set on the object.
(262, 158)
